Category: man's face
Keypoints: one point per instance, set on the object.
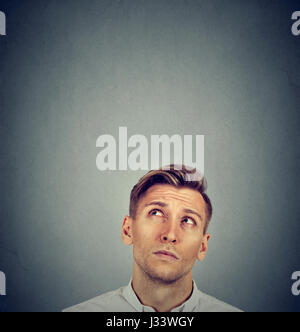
(169, 220)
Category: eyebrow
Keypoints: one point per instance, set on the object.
(162, 204)
(156, 203)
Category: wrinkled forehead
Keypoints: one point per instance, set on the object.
(185, 197)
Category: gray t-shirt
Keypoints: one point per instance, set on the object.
(124, 299)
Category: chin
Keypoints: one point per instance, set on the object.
(164, 277)
(160, 273)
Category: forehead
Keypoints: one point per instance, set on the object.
(187, 197)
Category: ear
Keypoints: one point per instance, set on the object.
(203, 249)
(127, 231)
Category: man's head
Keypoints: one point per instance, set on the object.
(177, 176)
(169, 214)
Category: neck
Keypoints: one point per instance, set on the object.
(159, 295)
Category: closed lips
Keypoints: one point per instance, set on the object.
(167, 253)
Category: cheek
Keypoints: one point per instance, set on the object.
(143, 235)
(144, 228)
(191, 249)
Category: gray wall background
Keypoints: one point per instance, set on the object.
(73, 70)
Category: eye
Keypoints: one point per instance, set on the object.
(188, 221)
(156, 212)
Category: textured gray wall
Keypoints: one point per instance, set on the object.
(74, 70)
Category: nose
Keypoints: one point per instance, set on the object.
(169, 233)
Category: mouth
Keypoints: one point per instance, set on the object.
(166, 255)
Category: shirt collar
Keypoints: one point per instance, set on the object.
(188, 306)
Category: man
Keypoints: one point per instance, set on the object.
(167, 226)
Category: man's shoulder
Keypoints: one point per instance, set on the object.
(208, 303)
(102, 303)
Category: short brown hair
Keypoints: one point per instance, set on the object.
(175, 175)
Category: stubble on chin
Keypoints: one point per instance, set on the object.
(157, 273)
